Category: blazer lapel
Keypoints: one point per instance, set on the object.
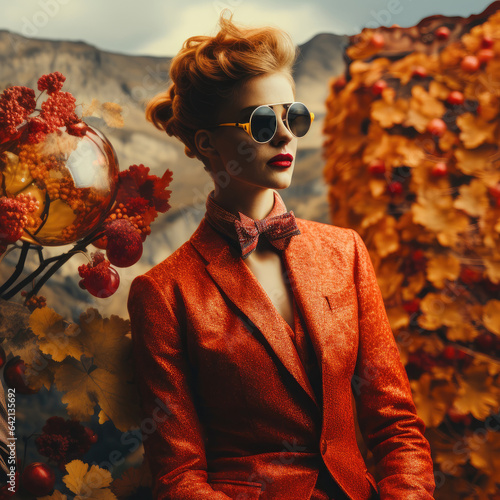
(243, 289)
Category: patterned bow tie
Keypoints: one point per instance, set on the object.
(243, 232)
(278, 230)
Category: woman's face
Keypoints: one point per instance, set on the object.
(246, 162)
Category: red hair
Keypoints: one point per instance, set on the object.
(207, 70)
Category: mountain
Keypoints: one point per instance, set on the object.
(131, 81)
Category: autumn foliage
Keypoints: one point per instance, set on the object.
(413, 164)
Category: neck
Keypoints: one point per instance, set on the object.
(254, 204)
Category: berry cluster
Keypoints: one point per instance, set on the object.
(15, 215)
(34, 302)
(18, 103)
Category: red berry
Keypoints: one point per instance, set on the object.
(487, 42)
(455, 97)
(442, 33)
(412, 306)
(378, 87)
(494, 190)
(485, 55)
(377, 40)
(339, 82)
(470, 64)
(470, 276)
(99, 278)
(124, 246)
(14, 376)
(418, 255)
(38, 479)
(395, 188)
(419, 72)
(436, 127)
(439, 169)
(485, 341)
(92, 435)
(3, 356)
(449, 353)
(458, 417)
(376, 167)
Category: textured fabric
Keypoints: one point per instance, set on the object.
(229, 410)
(279, 226)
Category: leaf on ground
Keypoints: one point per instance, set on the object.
(88, 483)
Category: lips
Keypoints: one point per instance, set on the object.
(282, 161)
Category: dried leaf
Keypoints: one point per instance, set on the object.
(442, 267)
(491, 316)
(88, 483)
(473, 198)
(475, 130)
(389, 111)
(131, 480)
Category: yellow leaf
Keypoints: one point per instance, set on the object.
(475, 130)
(442, 267)
(386, 237)
(94, 109)
(434, 210)
(492, 269)
(432, 398)
(57, 495)
(423, 108)
(131, 480)
(116, 397)
(477, 393)
(491, 316)
(415, 283)
(464, 332)
(389, 111)
(481, 163)
(485, 453)
(447, 454)
(52, 336)
(473, 198)
(88, 484)
(398, 317)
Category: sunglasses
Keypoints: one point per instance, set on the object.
(263, 122)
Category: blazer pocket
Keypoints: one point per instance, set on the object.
(237, 489)
(343, 297)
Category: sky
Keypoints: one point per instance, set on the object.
(159, 27)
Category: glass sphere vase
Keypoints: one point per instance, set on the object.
(73, 177)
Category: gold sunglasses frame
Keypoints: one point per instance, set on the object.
(246, 126)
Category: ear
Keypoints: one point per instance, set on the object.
(205, 143)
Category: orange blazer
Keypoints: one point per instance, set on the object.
(229, 412)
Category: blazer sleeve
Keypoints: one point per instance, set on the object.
(386, 412)
(171, 430)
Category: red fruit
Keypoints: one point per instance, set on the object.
(449, 353)
(38, 479)
(377, 40)
(339, 82)
(470, 64)
(439, 169)
(419, 72)
(470, 276)
(418, 255)
(412, 306)
(14, 376)
(442, 33)
(485, 55)
(458, 417)
(376, 167)
(378, 87)
(494, 190)
(3, 356)
(92, 435)
(124, 247)
(436, 127)
(455, 97)
(99, 278)
(485, 341)
(487, 42)
(395, 188)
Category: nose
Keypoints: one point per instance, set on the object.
(283, 134)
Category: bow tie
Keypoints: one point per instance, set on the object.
(278, 230)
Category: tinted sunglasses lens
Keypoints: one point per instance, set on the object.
(263, 124)
(299, 119)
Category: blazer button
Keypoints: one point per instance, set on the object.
(324, 446)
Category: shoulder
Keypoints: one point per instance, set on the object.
(327, 235)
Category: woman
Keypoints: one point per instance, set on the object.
(252, 338)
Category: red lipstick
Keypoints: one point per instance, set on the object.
(281, 161)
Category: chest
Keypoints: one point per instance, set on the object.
(269, 270)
